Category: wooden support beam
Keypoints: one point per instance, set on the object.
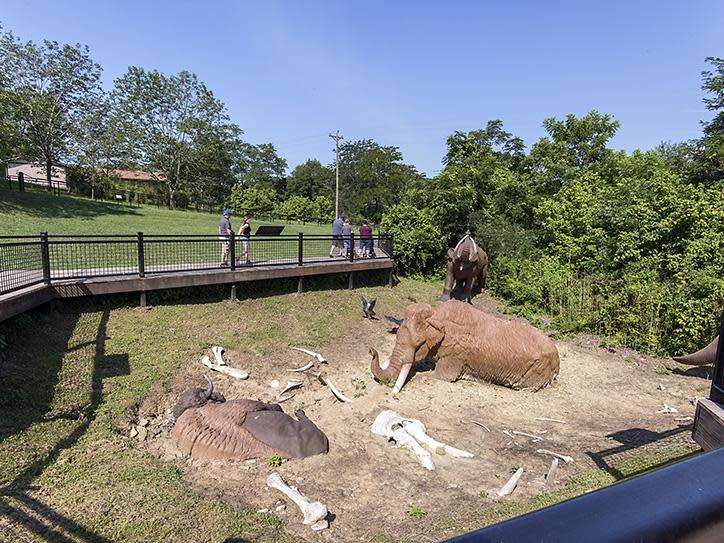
(351, 281)
(390, 280)
(300, 285)
(233, 292)
(143, 299)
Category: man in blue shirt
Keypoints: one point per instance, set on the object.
(225, 232)
(336, 237)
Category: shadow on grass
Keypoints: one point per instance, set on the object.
(631, 440)
(39, 204)
(35, 516)
(702, 372)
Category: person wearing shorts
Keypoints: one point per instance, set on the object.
(244, 235)
(224, 232)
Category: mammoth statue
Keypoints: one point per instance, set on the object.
(243, 429)
(706, 355)
(465, 263)
(467, 342)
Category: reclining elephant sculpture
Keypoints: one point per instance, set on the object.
(467, 342)
(466, 263)
(243, 429)
(705, 355)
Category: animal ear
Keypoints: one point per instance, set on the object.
(450, 254)
(434, 333)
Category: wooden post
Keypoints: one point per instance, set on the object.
(143, 299)
(351, 280)
(233, 292)
(300, 285)
(390, 280)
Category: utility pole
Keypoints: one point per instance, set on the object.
(336, 137)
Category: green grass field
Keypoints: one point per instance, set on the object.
(32, 212)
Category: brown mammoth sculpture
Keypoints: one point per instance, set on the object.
(466, 263)
(706, 355)
(243, 429)
(466, 342)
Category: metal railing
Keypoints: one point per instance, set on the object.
(30, 260)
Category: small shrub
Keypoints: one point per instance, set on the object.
(415, 511)
(515, 468)
(274, 461)
(662, 370)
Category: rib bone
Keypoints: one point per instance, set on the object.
(533, 437)
(546, 419)
(232, 372)
(318, 356)
(324, 379)
(290, 385)
(566, 459)
(511, 484)
(313, 511)
(304, 368)
(552, 470)
(218, 352)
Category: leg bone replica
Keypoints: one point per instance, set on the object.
(412, 434)
(231, 372)
(313, 511)
(218, 352)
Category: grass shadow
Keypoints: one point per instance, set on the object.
(44, 205)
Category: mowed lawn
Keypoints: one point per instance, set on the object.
(35, 211)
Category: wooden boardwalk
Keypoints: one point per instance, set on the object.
(22, 300)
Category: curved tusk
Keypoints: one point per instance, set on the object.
(209, 388)
(318, 356)
(341, 397)
(303, 368)
(279, 398)
(401, 378)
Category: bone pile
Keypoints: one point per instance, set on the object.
(220, 365)
(321, 376)
(314, 512)
(412, 434)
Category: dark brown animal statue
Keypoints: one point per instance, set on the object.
(704, 356)
(196, 397)
(466, 342)
(467, 264)
(243, 429)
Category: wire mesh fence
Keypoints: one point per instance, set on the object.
(29, 260)
(21, 263)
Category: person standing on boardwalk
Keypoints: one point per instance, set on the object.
(225, 233)
(347, 237)
(337, 237)
(365, 239)
(244, 235)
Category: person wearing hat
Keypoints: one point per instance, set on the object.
(337, 237)
(225, 232)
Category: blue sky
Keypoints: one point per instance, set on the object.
(408, 73)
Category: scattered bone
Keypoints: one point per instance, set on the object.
(481, 425)
(546, 419)
(303, 368)
(274, 383)
(684, 419)
(318, 356)
(325, 380)
(280, 508)
(231, 372)
(218, 352)
(320, 525)
(533, 437)
(552, 470)
(511, 484)
(313, 511)
(566, 459)
(661, 387)
(412, 434)
(290, 385)
(668, 409)
(507, 433)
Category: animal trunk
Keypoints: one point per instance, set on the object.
(387, 374)
(398, 367)
(707, 355)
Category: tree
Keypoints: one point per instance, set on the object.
(253, 200)
(711, 146)
(311, 179)
(165, 120)
(297, 207)
(372, 178)
(52, 90)
(261, 164)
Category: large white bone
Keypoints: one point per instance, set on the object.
(312, 511)
(231, 372)
(303, 368)
(412, 434)
(218, 352)
(325, 380)
(566, 459)
(290, 385)
(511, 484)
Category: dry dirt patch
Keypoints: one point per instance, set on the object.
(610, 402)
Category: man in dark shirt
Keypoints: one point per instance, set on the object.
(225, 232)
(365, 239)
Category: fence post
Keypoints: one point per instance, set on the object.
(351, 247)
(232, 251)
(141, 257)
(45, 254)
(300, 250)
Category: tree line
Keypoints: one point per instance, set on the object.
(628, 246)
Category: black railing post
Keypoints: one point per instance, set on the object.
(300, 250)
(232, 251)
(141, 257)
(351, 247)
(45, 255)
